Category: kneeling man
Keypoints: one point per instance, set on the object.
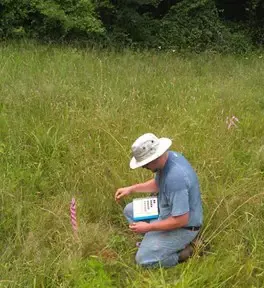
(167, 238)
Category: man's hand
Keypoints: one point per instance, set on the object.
(121, 192)
(140, 227)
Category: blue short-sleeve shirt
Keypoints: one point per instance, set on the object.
(179, 191)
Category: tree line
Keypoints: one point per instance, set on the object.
(226, 25)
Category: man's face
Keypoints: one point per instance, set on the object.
(152, 166)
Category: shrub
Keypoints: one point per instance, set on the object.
(52, 19)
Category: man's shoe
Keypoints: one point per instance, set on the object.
(186, 253)
(197, 246)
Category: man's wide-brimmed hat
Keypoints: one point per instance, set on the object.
(147, 148)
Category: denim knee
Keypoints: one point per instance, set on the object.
(144, 256)
(141, 258)
(128, 212)
(145, 260)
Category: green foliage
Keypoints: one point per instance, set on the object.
(246, 15)
(192, 24)
(90, 273)
(53, 19)
(256, 21)
(195, 24)
(179, 25)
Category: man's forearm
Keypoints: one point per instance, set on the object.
(170, 223)
(149, 187)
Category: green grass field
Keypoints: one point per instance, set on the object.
(67, 120)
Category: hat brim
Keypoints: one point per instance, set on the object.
(164, 145)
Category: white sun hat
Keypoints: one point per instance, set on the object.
(147, 148)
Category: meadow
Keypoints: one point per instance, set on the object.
(68, 117)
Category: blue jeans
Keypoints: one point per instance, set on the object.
(160, 248)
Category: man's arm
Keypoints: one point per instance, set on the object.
(171, 223)
(149, 187)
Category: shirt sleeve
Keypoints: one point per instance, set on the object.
(178, 199)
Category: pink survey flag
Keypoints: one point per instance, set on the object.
(73, 216)
(231, 122)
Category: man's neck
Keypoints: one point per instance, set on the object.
(164, 160)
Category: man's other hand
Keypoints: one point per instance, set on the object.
(140, 227)
(121, 192)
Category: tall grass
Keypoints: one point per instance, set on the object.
(67, 120)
